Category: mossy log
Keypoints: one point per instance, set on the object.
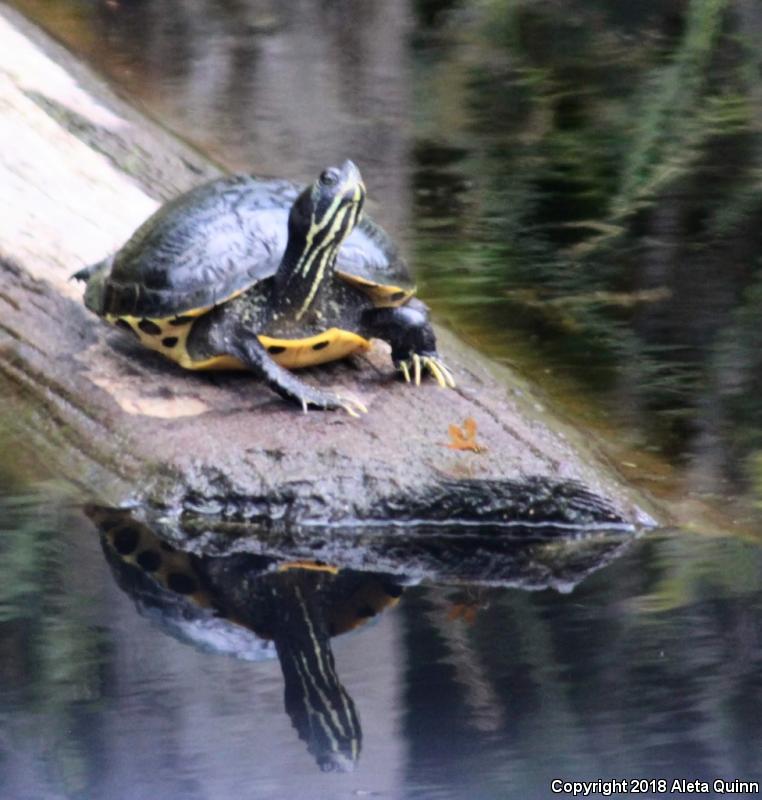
(79, 170)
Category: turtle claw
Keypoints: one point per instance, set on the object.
(354, 409)
(330, 400)
(439, 376)
(351, 405)
(413, 367)
(449, 379)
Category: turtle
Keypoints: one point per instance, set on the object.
(254, 608)
(261, 274)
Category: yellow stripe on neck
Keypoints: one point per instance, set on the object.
(324, 253)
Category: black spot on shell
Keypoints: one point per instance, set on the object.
(396, 296)
(320, 345)
(181, 320)
(393, 590)
(125, 326)
(366, 611)
(181, 583)
(149, 560)
(275, 349)
(126, 539)
(169, 341)
(167, 547)
(149, 327)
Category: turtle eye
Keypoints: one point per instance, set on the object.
(329, 177)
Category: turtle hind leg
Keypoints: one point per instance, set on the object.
(414, 345)
(221, 335)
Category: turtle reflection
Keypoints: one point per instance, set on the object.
(245, 606)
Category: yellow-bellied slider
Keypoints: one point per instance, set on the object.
(242, 273)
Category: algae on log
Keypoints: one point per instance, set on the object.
(79, 171)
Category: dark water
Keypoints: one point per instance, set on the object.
(649, 668)
(578, 185)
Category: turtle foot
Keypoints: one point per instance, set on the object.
(329, 401)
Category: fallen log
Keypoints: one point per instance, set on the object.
(201, 453)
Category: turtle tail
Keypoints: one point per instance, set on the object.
(86, 273)
(95, 277)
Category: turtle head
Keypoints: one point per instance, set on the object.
(331, 206)
(321, 218)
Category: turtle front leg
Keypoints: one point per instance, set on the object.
(222, 337)
(250, 351)
(414, 346)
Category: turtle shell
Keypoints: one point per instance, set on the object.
(219, 239)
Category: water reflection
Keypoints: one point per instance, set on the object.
(595, 207)
(239, 606)
(256, 607)
(643, 670)
(466, 688)
(275, 87)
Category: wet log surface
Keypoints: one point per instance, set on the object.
(208, 456)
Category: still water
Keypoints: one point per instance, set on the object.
(649, 667)
(579, 187)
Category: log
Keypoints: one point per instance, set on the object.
(216, 456)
